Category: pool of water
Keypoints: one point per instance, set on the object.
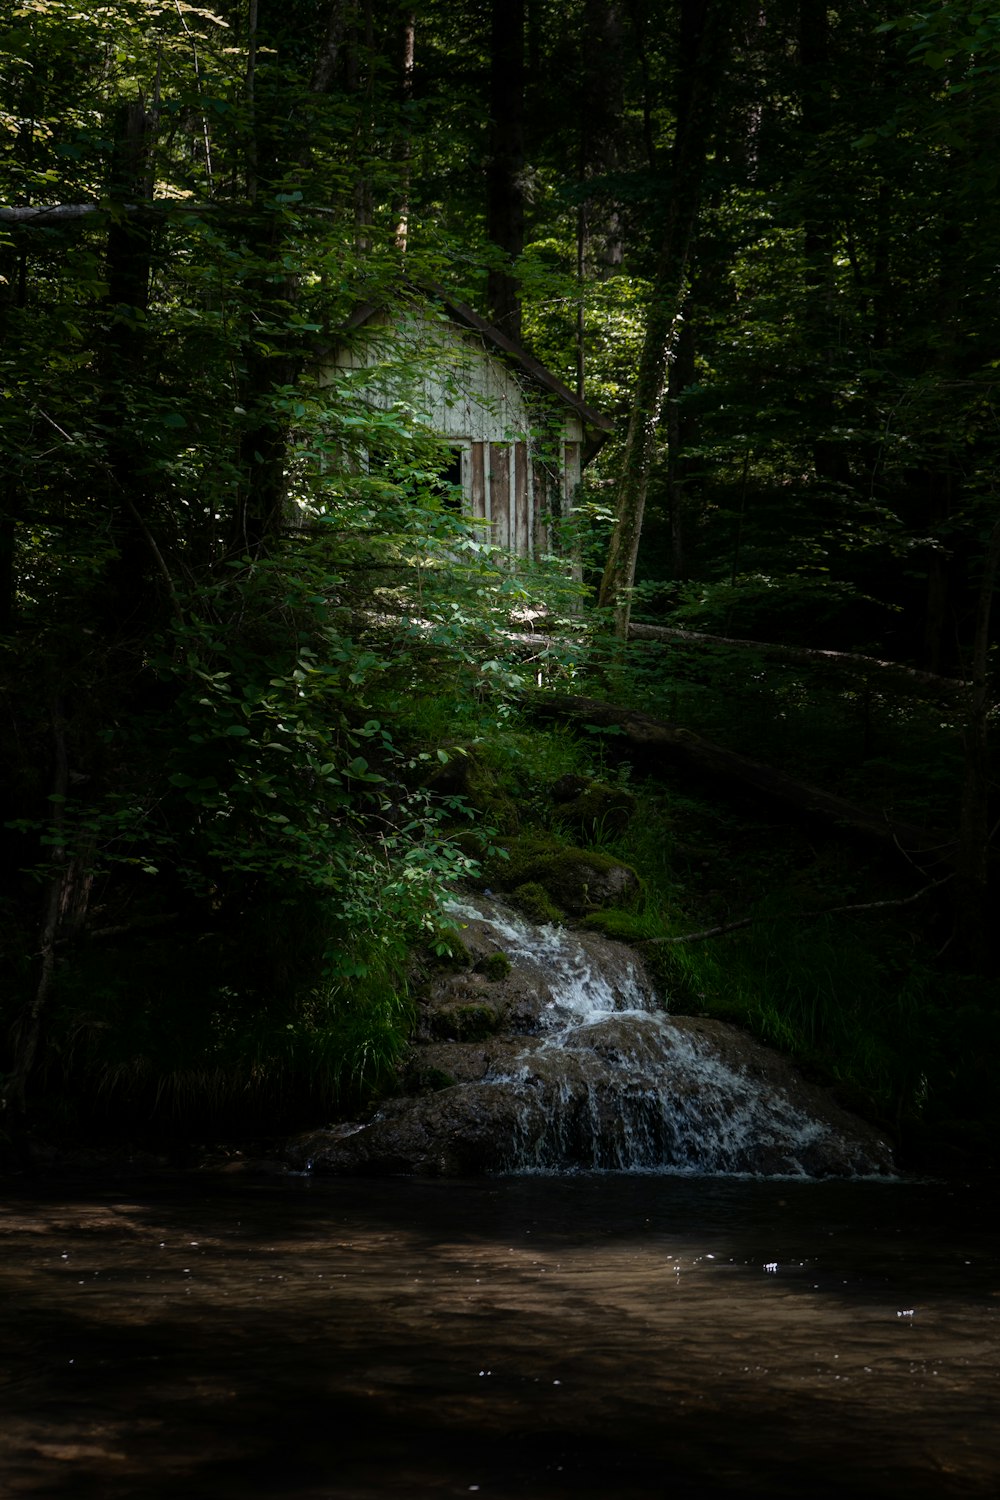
(621, 1336)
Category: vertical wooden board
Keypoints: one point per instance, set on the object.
(477, 487)
(541, 532)
(500, 493)
(572, 473)
(521, 531)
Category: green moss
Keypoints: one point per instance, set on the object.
(449, 952)
(464, 775)
(430, 1081)
(591, 810)
(520, 856)
(616, 922)
(534, 900)
(578, 880)
(497, 966)
(486, 792)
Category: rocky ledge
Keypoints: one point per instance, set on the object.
(548, 1050)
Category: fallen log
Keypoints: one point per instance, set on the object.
(925, 684)
(669, 744)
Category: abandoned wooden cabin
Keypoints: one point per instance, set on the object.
(519, 438)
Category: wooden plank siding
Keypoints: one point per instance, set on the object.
(484, 407)
(572, 473)
(541, 531)
(521, 503)
(500, 493)
(477, 481)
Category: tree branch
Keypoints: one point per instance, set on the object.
(811, 916)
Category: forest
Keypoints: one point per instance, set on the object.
(269, 694)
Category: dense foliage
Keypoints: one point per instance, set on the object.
(261, 699)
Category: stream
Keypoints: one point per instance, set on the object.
(570, 1059)
(539, 1336)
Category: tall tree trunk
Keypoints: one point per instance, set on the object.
(702, 56)
(67, 893)
(359, 83)
(121, 356)
(273, 362)
(829, 459)
(602, 105)
(505, 169)
(599, 237)
(681, 375)
(973, 919)
(409, 25)
(944, 462)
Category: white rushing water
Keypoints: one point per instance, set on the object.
(609, 1082)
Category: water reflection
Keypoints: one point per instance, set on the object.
(517, 1337)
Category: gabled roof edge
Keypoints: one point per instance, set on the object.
(531, 366)
(601, 425)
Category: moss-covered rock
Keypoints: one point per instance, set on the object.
(428, 1080)
(448, 952)
(590, 810)
(534, 900)
(620, 923)
(465, 775)
(496, 966)
(577, 881)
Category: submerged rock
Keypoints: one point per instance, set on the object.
(577, 1066)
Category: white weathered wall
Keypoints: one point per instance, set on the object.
(457, 386)
(461, 390)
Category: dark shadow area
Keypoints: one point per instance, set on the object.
(530, 1337)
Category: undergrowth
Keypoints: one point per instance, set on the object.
(861, 1001)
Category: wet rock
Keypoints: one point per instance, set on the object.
(570, 1062)
(458, 1132)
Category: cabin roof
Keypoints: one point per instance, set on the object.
(599, 424)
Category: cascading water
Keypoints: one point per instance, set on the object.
(578, 1067)
(612, 1083)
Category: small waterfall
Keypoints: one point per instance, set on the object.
(611, 1083)
(573, 1064)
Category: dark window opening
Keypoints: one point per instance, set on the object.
(451, 481)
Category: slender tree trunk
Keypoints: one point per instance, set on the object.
(505, 169)
(63, 905)
(13, 294)
(705, 33)
(972, 914)
(829, 460)
(405, 145)
(680, 376)
(581, 281)
(944, 462)
(602, 106)
(261, 505)
(120, 362)
(599, 239)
